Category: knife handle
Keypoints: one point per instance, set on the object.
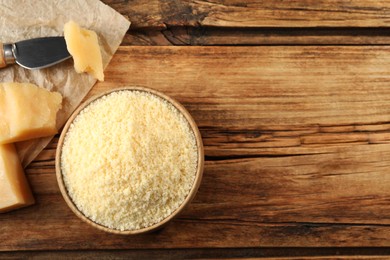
(6, 55)
(2, 57)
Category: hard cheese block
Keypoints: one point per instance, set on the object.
(83, 45)
(27, 111)
(14, 189)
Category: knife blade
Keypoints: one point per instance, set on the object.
(35, 53)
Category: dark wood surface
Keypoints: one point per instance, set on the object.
(256, 13)
(296, 130)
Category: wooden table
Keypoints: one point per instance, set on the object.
(293, 102)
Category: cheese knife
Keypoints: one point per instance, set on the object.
(35, 53)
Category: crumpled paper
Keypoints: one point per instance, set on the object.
(21, 20)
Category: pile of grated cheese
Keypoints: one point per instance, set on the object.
(129, 160)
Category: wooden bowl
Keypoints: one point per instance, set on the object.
(191, 194)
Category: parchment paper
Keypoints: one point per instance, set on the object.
(21, 20)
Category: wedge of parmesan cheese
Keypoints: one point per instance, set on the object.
(14, 190)
(83, 45)
(27, 111)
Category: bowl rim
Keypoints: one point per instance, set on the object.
(190, 195)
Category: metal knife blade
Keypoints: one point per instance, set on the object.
(35, 53)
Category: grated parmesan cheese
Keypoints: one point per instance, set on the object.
(129, 160)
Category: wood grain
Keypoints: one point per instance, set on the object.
(207, 36)
(296, 142)
(257, 13)
(223, 253)
(220, 22)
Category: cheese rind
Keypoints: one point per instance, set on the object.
(84, 47)
(14, 189)
(27, 111)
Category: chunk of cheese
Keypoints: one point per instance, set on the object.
(27, 111)
(83, 45)
(14, 190)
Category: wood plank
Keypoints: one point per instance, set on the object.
(208, 36)
(50, 225)
(328, 258)
(275, 36)
(204, 253)
(332, 258)
(296, 143)
(258, 13)
(263, 86)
